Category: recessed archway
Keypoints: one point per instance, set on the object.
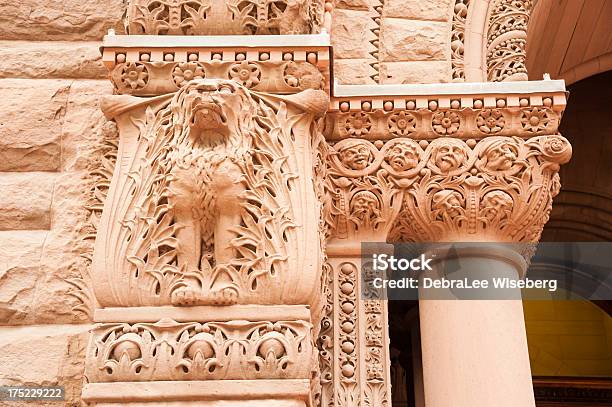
(569, 39)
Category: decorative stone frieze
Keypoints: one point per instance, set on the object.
(498, 189)
(169, 350)
(209, 17)
(149, 66)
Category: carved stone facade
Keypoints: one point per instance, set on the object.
(234, 178)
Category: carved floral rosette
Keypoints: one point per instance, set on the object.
(499, 188)
(427, 124)
(143, 78)
(226, 17)
(252, 203)
(168, 350)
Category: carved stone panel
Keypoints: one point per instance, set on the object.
(212, 199)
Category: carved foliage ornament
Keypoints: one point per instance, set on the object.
(460, 12)
(359, 349)
(224, 17)
(213, 202)
(506, 40)
(500, 188)
(169, 350)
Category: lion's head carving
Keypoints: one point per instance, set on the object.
(208, 112)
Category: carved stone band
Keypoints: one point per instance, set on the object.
(499, 188)
(169, 350)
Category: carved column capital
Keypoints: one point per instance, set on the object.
(496, 189)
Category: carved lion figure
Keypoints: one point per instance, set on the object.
(206, 183)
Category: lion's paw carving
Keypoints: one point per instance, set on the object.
(187, 296)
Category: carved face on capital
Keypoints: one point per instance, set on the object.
(449, 157)
(402, 156)
(364, 205)
(355, 155)
(447, 203)
(212, 102)
(496, 205)
(500, 156)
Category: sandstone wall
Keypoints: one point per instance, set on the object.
(51, 130)
(392, 41)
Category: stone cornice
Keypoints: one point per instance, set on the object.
(150, 65)
(458, 110)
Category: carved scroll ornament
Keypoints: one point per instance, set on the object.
(498, 189)
(213, 201)
(224, 17)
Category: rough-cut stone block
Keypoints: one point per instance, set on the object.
(27, 59)
(356, 5)
(59, 19)
(63, 252)
(353, 71)
(83, 121)
(46, 277)
(25, 202)
(410, 40)
(31, 123)
(20, 254)
(415, 72)
(44, 356)
(351, 34)
(36, 267)
(435, 10)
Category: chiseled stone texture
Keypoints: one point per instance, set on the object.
(355, 5)
(433, 10)
(25, 201)
(411, 40)
(31, 124)
(20, 253)
(83, 123)
(35, 266)
(59, 19)
(353, 71)
(51, 355)
(36, 285)
(351, 34)
(415, 72)
(51, 59)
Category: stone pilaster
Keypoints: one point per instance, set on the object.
(208, 258)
